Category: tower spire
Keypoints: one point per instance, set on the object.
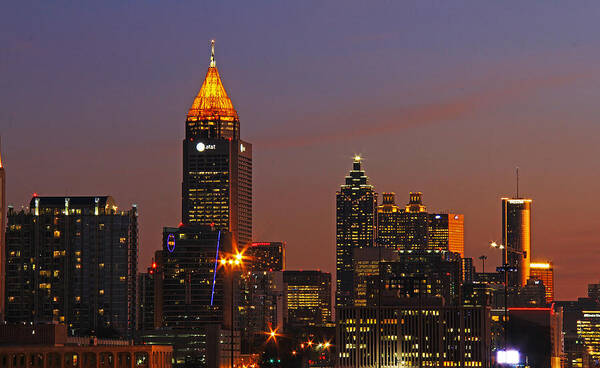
(0, 151)
(212, 54)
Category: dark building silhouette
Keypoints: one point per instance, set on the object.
(73, 260)
(217, 164)
(356, 206)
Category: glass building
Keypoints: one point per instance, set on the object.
(544, 271)
(356, 207)
(73, 260)
(217, 164)
(516, 237)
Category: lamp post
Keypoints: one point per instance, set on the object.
(483, 258)
(506, 268)
(231, 263)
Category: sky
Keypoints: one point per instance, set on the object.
(446, 98)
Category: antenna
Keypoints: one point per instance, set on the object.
(517, 182)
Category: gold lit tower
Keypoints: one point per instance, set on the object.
(544, 271)
(217, 164)
(516, 237)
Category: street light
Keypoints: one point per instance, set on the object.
(231, 262)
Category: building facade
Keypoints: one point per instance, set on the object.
(588, 330)
(266, 256)
(544, 271)
(217, 164)
(388, 222)
(356, 206)
(73, 260)
(414, 224)
(307, 298)
(401, 336)
(447, 232)
(516, 238)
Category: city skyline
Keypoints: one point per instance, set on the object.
(415, 154)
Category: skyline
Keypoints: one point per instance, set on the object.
(464, 106)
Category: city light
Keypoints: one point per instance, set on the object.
(508, 357)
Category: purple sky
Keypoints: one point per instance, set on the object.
(446, 98)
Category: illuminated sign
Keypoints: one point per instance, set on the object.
(539, 265)
(508, 357)
(456, 217)
(242, 148)
(171, 243)
(201, 147)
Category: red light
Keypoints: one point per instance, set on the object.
(180, 224)
(35, 194)
(153, 264)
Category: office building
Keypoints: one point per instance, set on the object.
(420, 278)
(537, 334)
(48, 345)
(544, 271)
(217, 164)
(594, 292)
(2, 236)
(366, 272)
(193, 296)
(356, 206)
(516, 238)
(388, 222)
(307, 298)
(403, 336)
(588, 330)
(262, 307)
(447, 232)
(146, 300)
(414, 224)
(266, 256)
(73, 260)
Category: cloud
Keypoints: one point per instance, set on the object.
(371, 121)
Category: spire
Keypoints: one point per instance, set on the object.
(212, 102)
(1, 152)
(212, 54)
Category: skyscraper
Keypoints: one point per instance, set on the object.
(516, 237)
(73, 260)
(388, 222)
(414, 224)
(2, 235)
(356, 206)
(447, 232)
(217, 164)
(544, 271)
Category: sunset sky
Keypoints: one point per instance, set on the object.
(447, 98)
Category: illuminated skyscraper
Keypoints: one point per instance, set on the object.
(2, 235)
(447, 232)
(217, 164)
(516, 237)
(356, 206)
(388, 222)
(73, 260)
(414, 224)
(588, 330)
(544, 271)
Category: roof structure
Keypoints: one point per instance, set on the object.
(212, 102)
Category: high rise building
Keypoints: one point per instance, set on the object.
(366, 272)
(2, 236)
(516, 238)
(588, 329)
(266, 256)
(217, 164)
(414, 224)
(594, 292)
(73, 260)
(146, 300)
(447, 232)
(405, 336)
(307, 297)
(388, 222)
(356, 206)
(544, 271)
